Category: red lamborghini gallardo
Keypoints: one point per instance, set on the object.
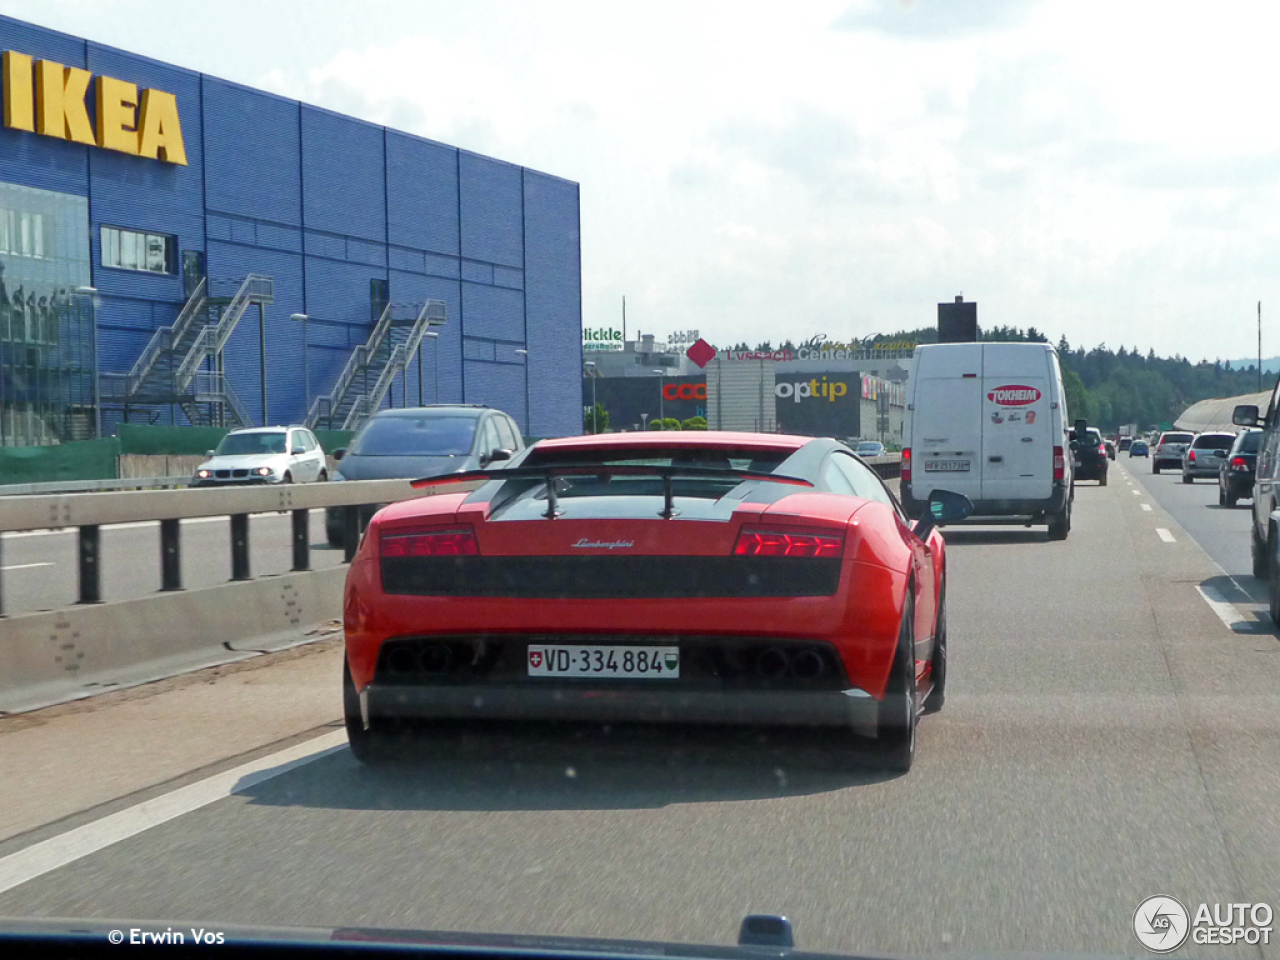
(680, 577)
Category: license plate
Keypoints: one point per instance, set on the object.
(946, 466)
(637, 663)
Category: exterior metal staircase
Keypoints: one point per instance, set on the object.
(372, 367)
(169, 370)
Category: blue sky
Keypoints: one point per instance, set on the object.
(758, 171)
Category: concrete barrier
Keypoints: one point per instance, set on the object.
(54, 657)
(136, 465)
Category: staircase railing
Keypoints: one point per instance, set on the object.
(356, 363)
(210, 387)
(211, 339)
(164, 338)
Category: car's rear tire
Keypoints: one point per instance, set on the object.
(1155, 467)
(1231, 500)
(1060, 522)
(371, 746)
(1258, 553)
(896, 726)
(1102, 481)
(938, 671)
(1187, 478)
(1273, 592)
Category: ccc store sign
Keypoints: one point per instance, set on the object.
(684, 391)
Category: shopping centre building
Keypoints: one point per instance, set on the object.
(176, 248)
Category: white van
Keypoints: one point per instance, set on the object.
(989, 420)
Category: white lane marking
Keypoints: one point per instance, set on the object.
(48, 855)
(1165, 535)
(28, 566)
(137, 525)
(1145, 506)
(1227, 611)
(1136, 493)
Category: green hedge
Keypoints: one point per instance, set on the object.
(158, 441)
(84, 460)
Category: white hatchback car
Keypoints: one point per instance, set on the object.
(264, 455)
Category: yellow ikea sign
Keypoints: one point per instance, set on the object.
(47, 98)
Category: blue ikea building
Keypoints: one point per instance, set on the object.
(168, 239)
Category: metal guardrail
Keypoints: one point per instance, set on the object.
(89, 512)
(91, 486)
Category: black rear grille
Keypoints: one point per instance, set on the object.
(611, 578)
(708, 662)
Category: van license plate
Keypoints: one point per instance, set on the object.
(946, 466)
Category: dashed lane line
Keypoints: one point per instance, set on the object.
(27, 566)
(1165, 535)
(1145, 506)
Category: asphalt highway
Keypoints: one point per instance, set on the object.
(1109, 735)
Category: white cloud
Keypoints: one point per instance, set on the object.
(1102, 170)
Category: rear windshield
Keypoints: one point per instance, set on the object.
(415, 437)
(1214, 441)
(1176, 438)
(1250, 441)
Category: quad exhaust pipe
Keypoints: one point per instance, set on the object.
(775, 663)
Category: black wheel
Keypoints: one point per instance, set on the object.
(1231, 499)
(1258, 552)
(1060, 522)
(1187, 478)
(287, 478)
(896, 727)
(1273, 592)
(938, 693)
(1155, 468)
(1222, 496)
(374, 745)
(324, 475)
(1102, 481)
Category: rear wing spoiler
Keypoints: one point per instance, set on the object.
(548, 474)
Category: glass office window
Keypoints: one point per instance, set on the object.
(135, 250)
(48, 342)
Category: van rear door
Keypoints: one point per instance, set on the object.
(946, 430)
(1017, 423)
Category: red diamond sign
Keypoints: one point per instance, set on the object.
(701, 353)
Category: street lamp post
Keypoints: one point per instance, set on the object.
(525, 354)
(644, 422)
(306, 364)
(662, 406)
(595, 426)
(92, 294)
(435, 355)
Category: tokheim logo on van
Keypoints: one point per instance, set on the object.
(1014, 395)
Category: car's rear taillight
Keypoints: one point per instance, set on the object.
(1239, 463)
(787, 543)
(1102, 449)
(454, 542)
(906, 465)
(1191, 455)
(1059, 464)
